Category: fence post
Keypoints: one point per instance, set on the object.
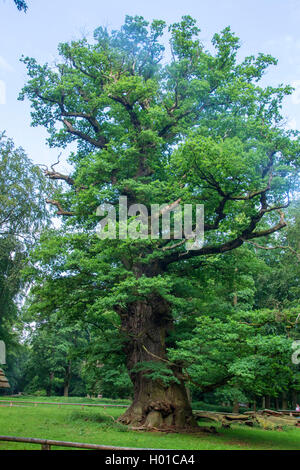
(46, 447)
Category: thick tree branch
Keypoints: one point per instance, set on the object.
(55, 175)
(90, 118)
(220, 215)
(129, 108)
(57, 204)
(99, 143)
(247, 234)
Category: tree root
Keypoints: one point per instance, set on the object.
(176, 429)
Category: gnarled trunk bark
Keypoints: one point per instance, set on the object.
(155, 404)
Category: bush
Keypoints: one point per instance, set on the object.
(39, 393)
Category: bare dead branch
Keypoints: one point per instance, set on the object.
(57, 204)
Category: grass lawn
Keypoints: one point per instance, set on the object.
(96, 426)
(16, 399)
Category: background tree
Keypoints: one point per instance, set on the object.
(22, 215)
(248, 353)
(52, 363)
(198, 129)
(277, 286)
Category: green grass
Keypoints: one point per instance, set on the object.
(96, 426)
(65, 399)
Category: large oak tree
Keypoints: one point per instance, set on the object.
(184, 125)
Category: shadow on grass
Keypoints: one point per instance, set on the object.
(288, 438)
(105, 421)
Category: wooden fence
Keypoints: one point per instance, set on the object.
(15, 403)
(46, 444)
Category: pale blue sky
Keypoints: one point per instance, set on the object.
(270, 26)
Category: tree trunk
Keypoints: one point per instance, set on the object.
(236, 407)
(268, 401)
(155, 403)
(294, 398)
(49, 389)
(189, 395)
(67, 379)
(284, 401)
